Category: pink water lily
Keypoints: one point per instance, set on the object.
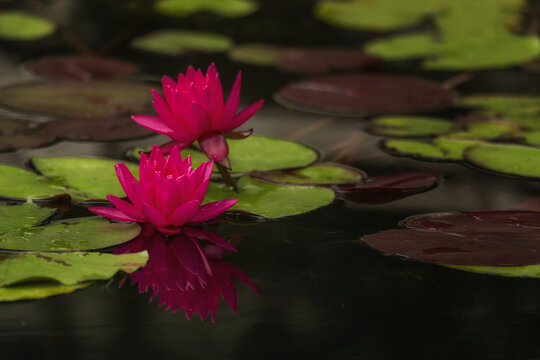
(194, 109)
(169, 193)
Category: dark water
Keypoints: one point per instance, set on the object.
(324, 294)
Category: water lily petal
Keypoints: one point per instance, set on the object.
(213, 209)
(231, 105)
(153, 123)
(190, 255)
(110, 213)
(127, 181)
(154, 216)
(127, 208)
(214, 146)
(184, 213)
(243, 116)
(210, 236)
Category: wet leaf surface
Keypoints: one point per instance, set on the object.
(22, 184)
(81, 67)
(21, 230)
(67, 268)
(88, 99)
(303, 60)
(228, 8)
(321, 174)
(362, 94)
(409, 126)
(272, 201)
(22, 26)
(481, 238)
(176, 42)
(95, 129)
(37, 291)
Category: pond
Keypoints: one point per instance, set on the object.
(387, 198)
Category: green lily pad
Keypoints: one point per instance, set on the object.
(175, 42)
(84, 178)
(451, 46)
(269, 200)
(21, 26)
(228, 8)
(507, 159)
(453, 148)
(501, 105)
(324, 173)
(67, 268)
(410, 126)
(79, 99)
(258, 54)
(440, 149)
(485, 129)
(37, 291)
(256, 153)
(507, 271)
(20, 231)
(22, 184)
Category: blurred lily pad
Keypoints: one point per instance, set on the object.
(305, 60)
(81, 67)
(363, 94)
(175, 42)
(88, 99)
(321, 174)
(409, 126)
(21, 230)
(83, 178)
(67, 268)
(95, 129)
(481, 238)
(18, 183)
(22, 26)
(272, 201)
(228, 8)
(449, 44)
(37, 291)
(506, 159)
(257, 153)
(21, 134)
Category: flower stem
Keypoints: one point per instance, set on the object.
(226, 175)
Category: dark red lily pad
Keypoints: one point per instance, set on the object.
(387, 188)
(96, 129)
(19, 134)
(481, 238)
(363, 94)
(81, 99)
(81, 67)
(325, 59)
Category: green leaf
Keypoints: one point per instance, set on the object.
(507, 271)
(67, 268)
(19, 183)
(228, 8)
(485, 129)
(256, 54)
(37, 291)
(413, 126)
(440, 149)
(272, 201)
(84, 178)
(22, 26)
(453, 148)
(501, 105)
(506, 159)
(175, 42)
(19, 231)
(259, 153)
(324, 173)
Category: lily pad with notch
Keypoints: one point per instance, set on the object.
(364, 94)
(23, 229)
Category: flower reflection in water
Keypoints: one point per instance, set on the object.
(185, 275)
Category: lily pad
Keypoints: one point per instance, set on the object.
(84, 178)
(37, 291)
(88, 99)
(81, 67)
(440, 149)
(304, 60)
(22, 184)
(22, 26)
(507, 159)
(95, 129)
(67, 268)
(21, 230)
(228, 8)
(481, 238)
(175, 42)
(410, 126)
(257, 153)
(387, 188)
(269, 200)
(485, 129)
(321, 174)
(21, 134)
(363, 94)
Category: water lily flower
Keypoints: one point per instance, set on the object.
(169, 193)
(194, 109)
